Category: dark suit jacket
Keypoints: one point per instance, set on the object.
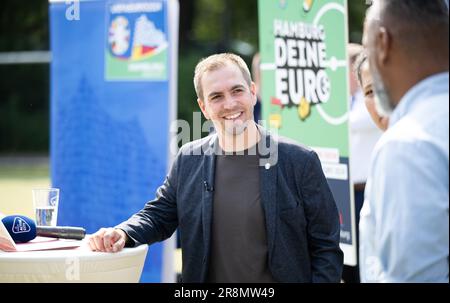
(302, 220)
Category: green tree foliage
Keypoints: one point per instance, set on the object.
(24, 25)
(24, 110)
(206, 27)
(356, 14)
(24, 89)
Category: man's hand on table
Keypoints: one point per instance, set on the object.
(108, 240)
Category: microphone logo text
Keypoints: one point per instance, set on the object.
(20, 226)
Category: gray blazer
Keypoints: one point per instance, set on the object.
(302, 220)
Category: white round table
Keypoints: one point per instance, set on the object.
(73, 265)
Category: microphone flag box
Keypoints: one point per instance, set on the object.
(7, 243)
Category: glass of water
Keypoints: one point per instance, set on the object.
(45, 203)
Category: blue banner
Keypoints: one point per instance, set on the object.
(109, 112)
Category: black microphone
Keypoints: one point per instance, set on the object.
(63, 232)
(23, 229)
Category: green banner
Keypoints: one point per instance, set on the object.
(304, 88)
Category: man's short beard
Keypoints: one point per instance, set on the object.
(383, 103)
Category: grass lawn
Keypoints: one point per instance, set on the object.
(16, 182)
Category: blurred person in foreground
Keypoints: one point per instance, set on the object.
(404, 227)
(256, 73)
(364, 134)
(242, 216)
(361, 67)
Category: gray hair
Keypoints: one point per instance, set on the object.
(417, 12)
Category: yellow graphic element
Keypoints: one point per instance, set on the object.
(136, 52)
(140, 53)
(307, 4)
(304, 109)
(275, 121)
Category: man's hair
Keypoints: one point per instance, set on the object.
(214, 62)
(418, 24)
(418, 12)
(358, 64)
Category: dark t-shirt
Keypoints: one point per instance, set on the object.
(239, 241)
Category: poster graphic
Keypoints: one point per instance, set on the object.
(305, 89)
(137, 47)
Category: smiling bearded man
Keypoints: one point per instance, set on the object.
(242, 216)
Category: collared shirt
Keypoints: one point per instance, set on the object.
(404, 227)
